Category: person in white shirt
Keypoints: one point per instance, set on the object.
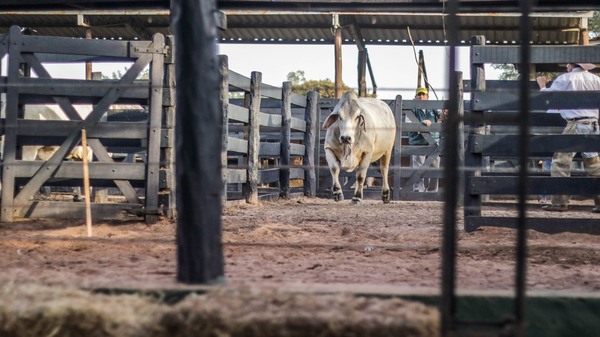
(579, 121)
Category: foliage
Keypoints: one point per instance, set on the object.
(594, 25)
(144, 75)
(296, 77)
(300, 85)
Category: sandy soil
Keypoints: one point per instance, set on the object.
(306, 241)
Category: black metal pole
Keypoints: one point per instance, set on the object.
(448, 300)
(524, 121)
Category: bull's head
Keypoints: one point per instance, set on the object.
(348, 116)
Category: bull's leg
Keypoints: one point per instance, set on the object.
(361, 175)
(384, 165)
(334, 169)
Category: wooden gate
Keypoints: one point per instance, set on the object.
(495, 106)
(22, 179)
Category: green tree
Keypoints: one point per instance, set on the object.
(594, 26)
(296, 77)
(301, 86)
(144, 75)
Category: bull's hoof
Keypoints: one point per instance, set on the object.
(385, 196)
(338, 196)
(356, 201)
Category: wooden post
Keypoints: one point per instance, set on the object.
(198, 143)
(362, 69)
(338, 63)
(311, 142)
(460, 155)
(396, 169)
(86, 183)
(474, 161)
(9, 166)
(251, 186)
(88, 64)
(286, 119)
(169, 191)
(224, 100)
(155, 129)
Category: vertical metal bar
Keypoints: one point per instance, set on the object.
(224, 100)
(524, 121)
(198, 143)
(448, 300)
(397, 151)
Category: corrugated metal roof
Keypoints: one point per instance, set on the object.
(126, 25)
(423, 28)
(304, 27)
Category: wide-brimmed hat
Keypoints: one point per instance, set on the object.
(586, 66)
(422, 90)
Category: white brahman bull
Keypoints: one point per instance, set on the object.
(359, 132)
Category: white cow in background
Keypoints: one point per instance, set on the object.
(359, 132)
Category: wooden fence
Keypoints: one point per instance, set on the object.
(269, 138)
(140, 183)
(493, 137)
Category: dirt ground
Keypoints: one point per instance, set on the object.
(301, 241)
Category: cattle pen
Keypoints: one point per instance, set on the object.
(229, 226)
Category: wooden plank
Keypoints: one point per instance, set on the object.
(544, 225)
(270, 149)
(496, 117)
(539, 54)
(408, 105)
(266, 176)
(269, 120)
(98, 170)
(82, 91)
(297, 149)
(298, 124)
(543, 100)
(500, 85)
(237, 145)
(62, 128)
(70, 46)
(236, 176)
(508, 185)
(76, 210)
(506, 145)
(296, 173)
(238, 113)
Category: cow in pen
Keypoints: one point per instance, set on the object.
(359, 132)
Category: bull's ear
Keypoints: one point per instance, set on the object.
(361, 122)
(332, 118)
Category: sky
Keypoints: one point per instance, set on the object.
(394, 67)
